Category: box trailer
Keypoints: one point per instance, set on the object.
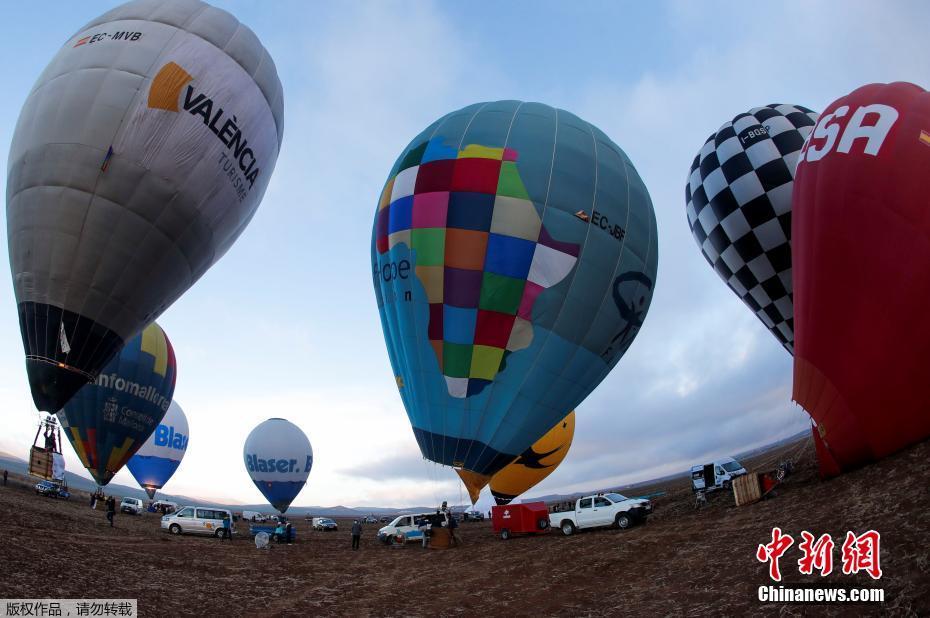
(523, 518)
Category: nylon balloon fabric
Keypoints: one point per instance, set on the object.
(139, 156)
(158, 459)
(514, 256)
(862, 273)
(738, 199)
(110, 419)
(278, 458)
(535, 463)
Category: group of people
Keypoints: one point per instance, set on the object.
(282, 532)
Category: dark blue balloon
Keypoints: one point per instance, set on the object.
(107, 421)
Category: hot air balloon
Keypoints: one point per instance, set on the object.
(738, 199)
(160, 456)
(514, 255)
(278, 458)
(535, 463)
(140, 155)
(862, 274)
(110, 419)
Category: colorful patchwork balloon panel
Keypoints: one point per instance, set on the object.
(513, 260)
(483, 255)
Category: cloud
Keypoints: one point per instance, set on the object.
(405, 467)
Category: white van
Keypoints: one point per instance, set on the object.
(408, 525)
(718, 474)
(198, 520)
(133, 506)
(253, 516)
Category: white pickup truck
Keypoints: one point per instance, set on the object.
(611, 509)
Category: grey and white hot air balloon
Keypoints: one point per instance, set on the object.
(738, 198)
(140, 155)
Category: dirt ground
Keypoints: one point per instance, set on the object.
(682, 562)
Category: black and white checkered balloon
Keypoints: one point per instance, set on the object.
(739, 208)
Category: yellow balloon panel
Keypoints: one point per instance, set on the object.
(536, 463)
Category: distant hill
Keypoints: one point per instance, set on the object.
(15, 464)
(767, 447)
(76, 482)
(630, 490)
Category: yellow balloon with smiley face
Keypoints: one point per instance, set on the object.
(535, 463)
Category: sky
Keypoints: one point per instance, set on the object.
(286, 323)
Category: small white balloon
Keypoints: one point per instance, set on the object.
(278, 458)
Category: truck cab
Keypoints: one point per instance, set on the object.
(601, 510)
(718, 474)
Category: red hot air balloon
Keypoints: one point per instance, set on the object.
(861, 252)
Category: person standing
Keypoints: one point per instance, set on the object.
(93, 501)
(111, 509)
(227, 527)
(453, 524)
(424, 530)
(4, 477)
(356, 533)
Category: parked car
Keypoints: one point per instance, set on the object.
(610, 509)
(253, 516)
(407, 526)
(523, 518)
(474, 516)
(198, 520)
(51, 489)
(164, 506)
(324, 524)
(371, 519)
(718, 474)
(133, 506)
(384, 519)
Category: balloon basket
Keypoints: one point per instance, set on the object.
(440, 538)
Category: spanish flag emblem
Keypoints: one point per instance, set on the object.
(925, 138)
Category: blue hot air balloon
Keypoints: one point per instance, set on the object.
(514, 255)
(278, 458)
(110, 419)
(158, 459)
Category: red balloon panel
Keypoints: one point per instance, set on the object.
(861, 255)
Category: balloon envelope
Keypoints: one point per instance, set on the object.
(535, 463)
(278, 458)
(160, 456)
(140, 155)
(110, 419)
(862, 273)
(739, 208)
(514, 255)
